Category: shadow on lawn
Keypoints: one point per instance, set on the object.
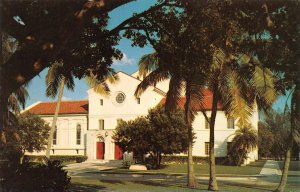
(148, 183)
(111, 181)
(78, 187)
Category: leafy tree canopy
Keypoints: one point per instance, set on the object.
(155, 134)
(27, 133)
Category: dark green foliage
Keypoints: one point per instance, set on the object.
(33, 177)
(27, 133)
(182, 159)
(61, 158)
(273, 134)
(156, 134)
(265, 141)
(244, 141)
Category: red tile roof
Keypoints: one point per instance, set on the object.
(205, 105)
(66, 107)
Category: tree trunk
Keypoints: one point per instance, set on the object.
(295, 115)
(285, 171)
(192, 182)
(213, 185)
(50, 138)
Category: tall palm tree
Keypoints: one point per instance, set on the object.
(236, 82)
(57, 78)
(153, 69)
(293, 137)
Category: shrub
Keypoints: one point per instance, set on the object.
(36, 177)
(181, 159)
(126, 163)
(62, 158)
(156, 134)
(244, 141)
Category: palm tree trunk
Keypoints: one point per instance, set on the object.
(294, 118)
(192, 182)
(287, 161)
(50, 138)
(213, 185)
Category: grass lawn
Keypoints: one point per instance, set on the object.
(294, 165)
(94, 185)
(251, 169)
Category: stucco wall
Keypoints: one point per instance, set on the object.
(110, 111)
(66, 135)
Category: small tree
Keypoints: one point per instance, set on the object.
(244, 141)
(265, 141)
(274, 131)
(158, 133)
(27, 133)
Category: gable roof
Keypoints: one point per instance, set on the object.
(157, 90)
(206, 102)
(66, 107)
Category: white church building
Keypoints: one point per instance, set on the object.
(86, 127)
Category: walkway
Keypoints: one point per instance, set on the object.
(271, 168)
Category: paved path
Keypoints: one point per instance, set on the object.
(89, 167)
(270, 168)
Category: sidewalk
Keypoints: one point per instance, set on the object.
(271, 168)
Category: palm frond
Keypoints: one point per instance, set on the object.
(99, 87)
(234, 99)
(152, 79)
(21, 95)
(13, 104)
(148, 63)
(53, 79)
(263, 82)
(219, 58)
(69, 80)
(174, 92)
(245, 138)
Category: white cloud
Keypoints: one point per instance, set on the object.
(66, 98)
(124, 61)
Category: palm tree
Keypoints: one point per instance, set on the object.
(57, 78)
(236, 82)
(294, 135)
(16, 101)
(244, 141)
(153, 69)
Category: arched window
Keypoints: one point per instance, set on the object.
(78, 134)
(55, 136)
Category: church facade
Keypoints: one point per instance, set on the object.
(86, 127)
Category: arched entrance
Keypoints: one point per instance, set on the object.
(100, 148)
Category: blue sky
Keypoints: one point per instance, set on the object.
(128, 64)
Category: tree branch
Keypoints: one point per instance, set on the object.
(205, 116)
(34, 56)
(118, 28)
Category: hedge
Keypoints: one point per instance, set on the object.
(61, 158)
(181, 159)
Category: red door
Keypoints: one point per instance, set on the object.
(118, 152)
(100, 147)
